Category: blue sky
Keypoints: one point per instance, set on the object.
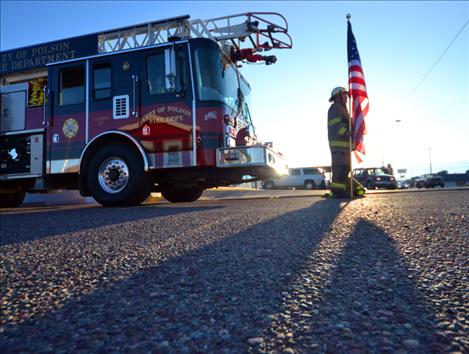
(398, 43)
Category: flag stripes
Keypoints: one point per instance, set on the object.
(358, 91)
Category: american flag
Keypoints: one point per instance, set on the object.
(359, 98)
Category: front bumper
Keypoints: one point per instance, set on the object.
(259, 161)
(385, 184)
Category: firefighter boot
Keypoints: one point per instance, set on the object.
(359, 191)
(335, 195)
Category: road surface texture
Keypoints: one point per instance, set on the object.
(383, 274)
(68, 197)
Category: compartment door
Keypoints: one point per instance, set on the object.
(13, 107)
(67, 131)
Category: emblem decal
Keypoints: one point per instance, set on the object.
(70, 128)
(146, 130)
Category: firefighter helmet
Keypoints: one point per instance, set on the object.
(336, 91)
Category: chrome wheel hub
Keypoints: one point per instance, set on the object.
(113, 175)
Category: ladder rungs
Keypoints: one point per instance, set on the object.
(227, 30)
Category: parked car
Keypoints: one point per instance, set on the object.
(374, 177)
(429, 181)
(301, 177)
(403, 184)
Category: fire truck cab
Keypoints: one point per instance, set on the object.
(118, 120)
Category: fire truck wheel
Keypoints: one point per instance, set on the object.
(180, 195)
(116, 177)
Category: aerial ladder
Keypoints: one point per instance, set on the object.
(243, 37)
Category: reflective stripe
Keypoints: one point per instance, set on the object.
(338, 185)
(335, 143)
(342, 131)
(334, 121)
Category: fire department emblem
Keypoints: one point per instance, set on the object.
(70, 128)
(146, 130)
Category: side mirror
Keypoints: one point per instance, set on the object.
(170, 69)
(171, 82)
(174, 73)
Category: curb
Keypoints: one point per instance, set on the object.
(261, 197)
(375, 192)
(417, 190)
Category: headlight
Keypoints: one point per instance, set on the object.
(378, 178)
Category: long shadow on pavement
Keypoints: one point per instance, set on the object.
(208, 300)
(24, 227)
(369, 303)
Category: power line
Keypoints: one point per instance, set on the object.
(439, 58)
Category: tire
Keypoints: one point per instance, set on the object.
(370, 185)
(269, 185)
(181, 195)
(116, 176)
(310, 185)
(12, 200)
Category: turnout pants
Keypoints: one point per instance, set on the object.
(340, 185)
(340, 170)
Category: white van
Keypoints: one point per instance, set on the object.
(300, 178)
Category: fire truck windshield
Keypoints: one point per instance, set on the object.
(217, 80)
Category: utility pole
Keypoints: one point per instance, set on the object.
(430, 157)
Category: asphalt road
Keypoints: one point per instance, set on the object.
(69, 197)
(385, 273)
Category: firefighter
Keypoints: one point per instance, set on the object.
(390, 170)
(339, 135)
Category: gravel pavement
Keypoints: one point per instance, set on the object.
(383, 274)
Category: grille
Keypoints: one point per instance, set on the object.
(120, 107)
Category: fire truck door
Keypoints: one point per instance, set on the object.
(166, 119)
(126, 83)
(66, 123)
(114, 94)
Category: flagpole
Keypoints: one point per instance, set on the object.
(350, 128)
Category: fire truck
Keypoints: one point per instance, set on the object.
(154, 107)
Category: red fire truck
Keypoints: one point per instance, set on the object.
(159, 106)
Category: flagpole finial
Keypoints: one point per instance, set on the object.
(348, 17)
